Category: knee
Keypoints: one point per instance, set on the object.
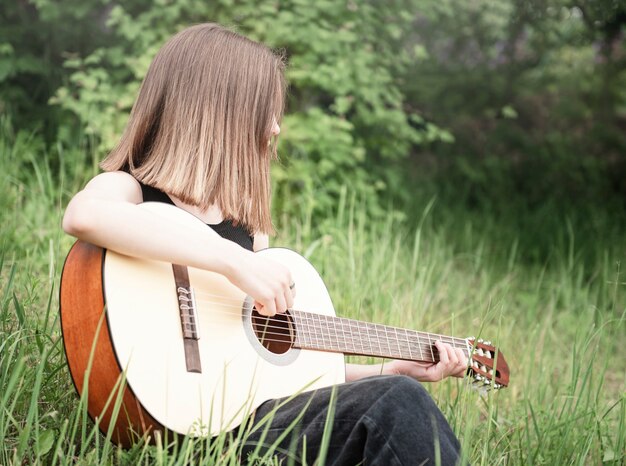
(408, 389)
(406, 383)
(400, 390)
(401, 383)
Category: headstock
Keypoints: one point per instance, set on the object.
(487, 368)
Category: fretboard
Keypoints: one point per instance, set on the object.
(349, 336)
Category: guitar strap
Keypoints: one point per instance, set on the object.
(187, 318)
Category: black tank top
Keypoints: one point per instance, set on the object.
(226, 229)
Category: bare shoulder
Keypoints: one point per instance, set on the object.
(261, 241)
(116, 185)
(88, 206)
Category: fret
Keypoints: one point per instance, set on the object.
(430, 345)
(318, 331)
(325, 330)
(380, 349)
(343, 334)
(421, 356)
(307, 332)
(331, 341)
(332, 332)
(387, 338)
(371, 330)
(301, 331)
(362, 341)
(374, 346)
(312, 333)
(398, 342)
(318, 319)
(415, 349)
(356, 336)
(408, 343)
(365, 342)
(352, 344)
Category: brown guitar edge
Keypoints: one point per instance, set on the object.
(83, 320)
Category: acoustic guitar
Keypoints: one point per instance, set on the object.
(154, 346)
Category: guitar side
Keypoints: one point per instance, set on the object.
(89, 350)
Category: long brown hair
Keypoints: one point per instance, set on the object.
(200, 128)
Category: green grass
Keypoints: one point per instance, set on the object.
(560, 323)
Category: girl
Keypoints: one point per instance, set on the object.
(201, 136)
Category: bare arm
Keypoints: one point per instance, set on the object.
(106, 214)
(453, 362)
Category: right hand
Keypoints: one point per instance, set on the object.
(267, 281)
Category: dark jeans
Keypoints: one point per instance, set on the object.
(387, 421)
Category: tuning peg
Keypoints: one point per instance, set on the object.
(480, 340)
(483, 368)
(488, 342)
(487, 354)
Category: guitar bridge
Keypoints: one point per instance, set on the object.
(188, 313)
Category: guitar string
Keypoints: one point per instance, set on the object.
(419, 354)
(367, 350)
(410, 335)
(407, 332)
(413, 337)
(315, 332)
(320, 343)
(238, 305)
(368, 347)
(238, 302)
(351, 322)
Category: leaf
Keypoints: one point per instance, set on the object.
(608, 456)
(19, 310)
(509, 112)
(6, 49)
(46, 441)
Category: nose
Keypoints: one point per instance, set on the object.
(275, 128)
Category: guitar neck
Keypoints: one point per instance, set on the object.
(349, 336)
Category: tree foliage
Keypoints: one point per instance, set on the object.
(381, 93)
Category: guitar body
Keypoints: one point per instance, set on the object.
(122, 334)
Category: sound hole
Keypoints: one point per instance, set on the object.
(276, 333)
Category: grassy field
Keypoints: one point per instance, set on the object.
(560, 323)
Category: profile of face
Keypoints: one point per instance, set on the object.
(275, 131)
(275, 128)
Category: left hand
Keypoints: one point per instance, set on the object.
(452, 362)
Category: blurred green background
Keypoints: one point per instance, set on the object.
(512, 109)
